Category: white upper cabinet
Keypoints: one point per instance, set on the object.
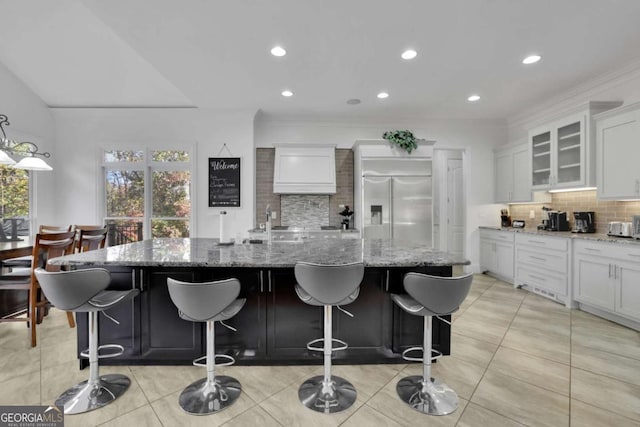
(618, 150)
(304, 169)
(512, 178)
(562, 152)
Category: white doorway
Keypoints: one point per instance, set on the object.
(455, 207)
(449, 201)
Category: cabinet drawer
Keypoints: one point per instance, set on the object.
(553, 282)
(501, 236)
(540, 259)
(544, 242)
(618, 251)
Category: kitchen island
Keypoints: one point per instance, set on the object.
(274, 325)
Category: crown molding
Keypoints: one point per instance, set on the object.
(579, 95)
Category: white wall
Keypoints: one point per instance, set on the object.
(83, 133)
(30, 120)
(476, 137)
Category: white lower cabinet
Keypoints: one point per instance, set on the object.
(496, 253)
(542, 265)
(607, 277)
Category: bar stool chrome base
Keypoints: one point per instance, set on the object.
(205, 397)
(85, 397)
(336, 396)
(432, 397)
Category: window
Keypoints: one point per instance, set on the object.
(147, 194)
(14, 200)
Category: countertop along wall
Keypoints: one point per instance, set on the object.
(576, 201)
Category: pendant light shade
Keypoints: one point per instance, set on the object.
(26, 149)
(5, 159)
(33, 164)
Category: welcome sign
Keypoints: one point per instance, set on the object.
(224, 181)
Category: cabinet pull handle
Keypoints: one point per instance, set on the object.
(542, 279)
(540, 242)
(387, 282)
(261, 281)
(133, 278)
(141, 280)
(537, 257)
(269, 277)
(634, 255)
(615, 271)
(609, 271)
(592, 249)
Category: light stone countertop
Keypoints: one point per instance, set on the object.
(600, 237)
(203, 252)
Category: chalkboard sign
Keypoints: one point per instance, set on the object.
(224, 181)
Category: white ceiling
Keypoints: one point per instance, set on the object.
(215, 54)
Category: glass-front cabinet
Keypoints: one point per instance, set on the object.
(563, 151)
(558, 154)
(541, 158)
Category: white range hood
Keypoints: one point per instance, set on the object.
(304, 169)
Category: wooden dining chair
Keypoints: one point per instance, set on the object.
(25, 261)
(90, 237)
(54, 228)
(45, 247)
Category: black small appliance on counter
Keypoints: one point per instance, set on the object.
(505, 218)
(584, 222)
(558, 221)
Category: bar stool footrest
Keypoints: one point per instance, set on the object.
(199, 360)
(118, 347)
(311, 345)
(437, 356)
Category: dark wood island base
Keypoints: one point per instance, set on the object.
(274, 326)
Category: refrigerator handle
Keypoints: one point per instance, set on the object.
(390, 204)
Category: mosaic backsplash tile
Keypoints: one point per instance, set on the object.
(304, 210)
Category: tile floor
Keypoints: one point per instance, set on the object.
(517, 359)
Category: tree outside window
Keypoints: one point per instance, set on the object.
(148, 190)
(14, 198)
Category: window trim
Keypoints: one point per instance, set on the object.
(148, 166)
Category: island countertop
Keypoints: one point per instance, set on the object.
(207, 252)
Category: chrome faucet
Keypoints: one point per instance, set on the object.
(268, 223)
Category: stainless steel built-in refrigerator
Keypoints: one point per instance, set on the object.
(398, 202)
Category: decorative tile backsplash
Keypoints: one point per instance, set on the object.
(264, 187)
(577, 201)
(304, 210)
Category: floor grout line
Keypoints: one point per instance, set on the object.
(579, 322)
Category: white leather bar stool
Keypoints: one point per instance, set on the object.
(327, 286)
(208, 302)
(430, 296)
(84, 291)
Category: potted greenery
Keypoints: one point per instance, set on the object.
(402, 138)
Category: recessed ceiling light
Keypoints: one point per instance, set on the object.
(409, 54)
(287, 93)
(353, 101)
(473, 98)
(278, 51)
(383, 95)
(531, 59)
